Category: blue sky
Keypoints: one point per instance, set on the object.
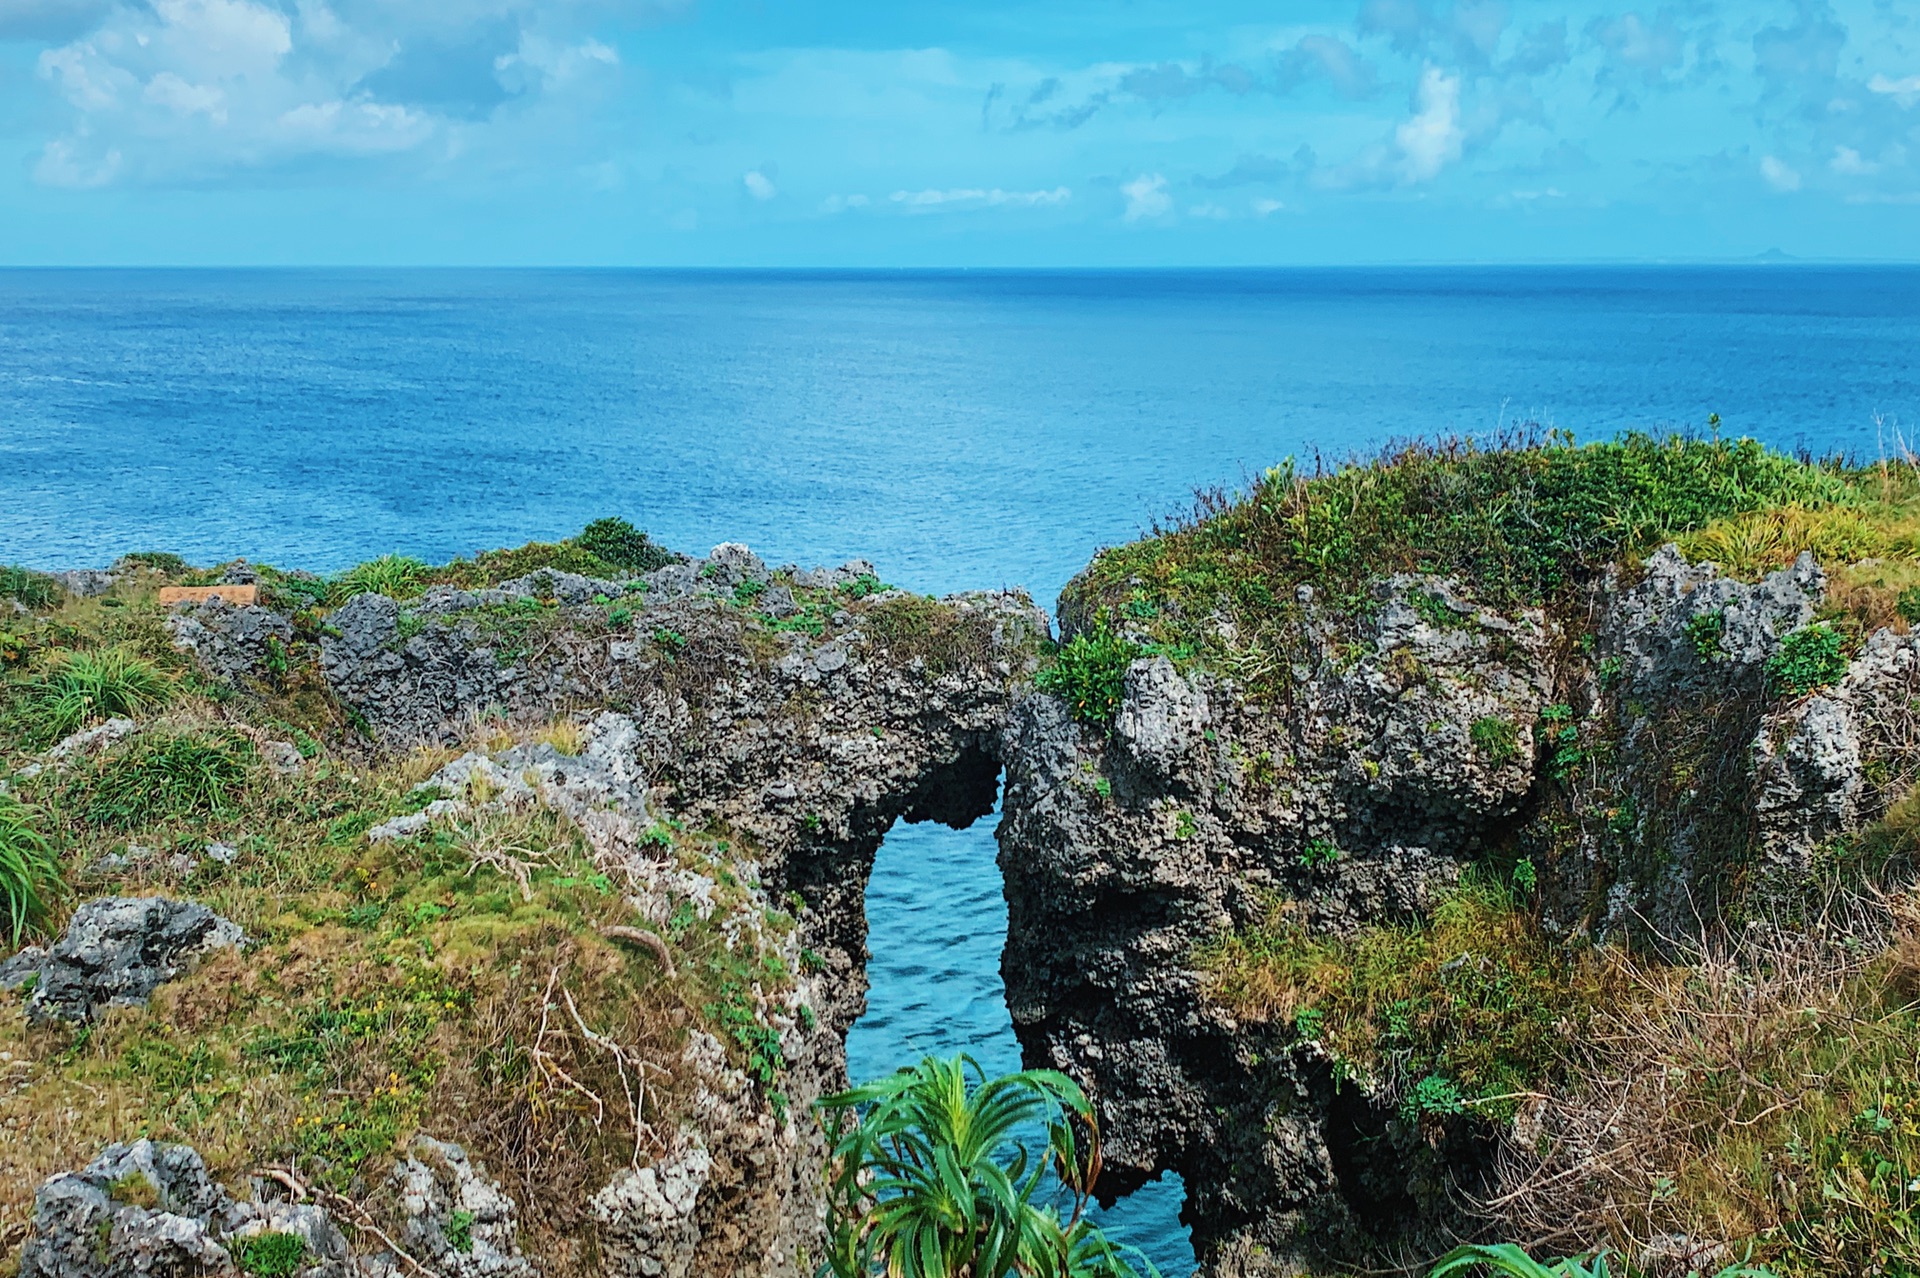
(940, 132)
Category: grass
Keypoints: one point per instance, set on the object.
(940, 637)
(1468, 1010)
(29, 872)
(270, 1254)
(1495, 738)
(430, 984)
(83, 686)
(1762, 1097)
(163, 775)
(36, 590)
(395, 576)
(1519, 522)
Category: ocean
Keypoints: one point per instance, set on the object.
(960, 429)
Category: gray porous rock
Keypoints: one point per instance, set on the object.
(1835, 760)
(231, 641)
(119, 950)
(551, 583)
(648, 1225)
(151, 1210)
(1358, 800)
(95, 740)
(1646, 762)
(808, 747)
(456, 1219)
(85, 583)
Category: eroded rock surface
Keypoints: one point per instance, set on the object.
(804, 711)
(232, 641)
(118, 950)
(151, 1209)
(1648, 770)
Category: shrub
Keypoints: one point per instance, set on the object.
(29, 874)
(1704, 632)
(942, 637)
(929, 1177)
(1908, 605)
(395, 576)
(621, 544)
(34, 589)
(1090, 674)
(167, 775)
(1812, 657)
(271, 1254)
(159, 561)
(1495, 738)
(83, 686)
(460, 1231)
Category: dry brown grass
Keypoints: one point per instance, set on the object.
(1763, 1095)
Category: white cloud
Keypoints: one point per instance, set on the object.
(1267, 208)
(1210, 211)
(1146, 197)
(977, 197)
(1431, 140)
(1905, 90)
(1851, 163)
(841, 203)
(760, 186)
(170, 90)
(1779, 175)
(60, 166)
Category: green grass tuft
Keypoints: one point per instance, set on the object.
(29, 873)
(1495, 738)
(166, 775)
(395, 576)
(271, 1254)
(83, 686)
(36, 590)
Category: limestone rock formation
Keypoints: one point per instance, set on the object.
(117, 950)
(151, 1209)
(1637, 767)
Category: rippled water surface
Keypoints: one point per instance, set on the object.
(962, 430)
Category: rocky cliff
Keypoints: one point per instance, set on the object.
(1316, 894)
(567, 868)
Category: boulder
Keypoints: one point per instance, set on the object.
(118, 950)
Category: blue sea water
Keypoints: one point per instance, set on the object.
(961, 429)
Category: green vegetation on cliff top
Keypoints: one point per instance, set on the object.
(1516, 524)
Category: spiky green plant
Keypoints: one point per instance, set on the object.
(1505, 1260)
(28, 872)
(34, 589)
(395, 576)
(83, 686)
(929, 1178)
(165, 775)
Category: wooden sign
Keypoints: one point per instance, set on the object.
(235, 595)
